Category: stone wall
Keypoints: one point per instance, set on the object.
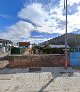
(43, 60)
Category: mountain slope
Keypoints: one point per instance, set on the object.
(72, 39)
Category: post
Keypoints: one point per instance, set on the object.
(66, 56)
(10, 49)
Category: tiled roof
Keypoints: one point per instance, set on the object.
(24, 43)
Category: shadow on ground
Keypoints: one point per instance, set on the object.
(3, 58)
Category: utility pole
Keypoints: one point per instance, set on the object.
(66, 56)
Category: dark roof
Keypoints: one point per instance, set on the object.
(24, 43)
(1, 40)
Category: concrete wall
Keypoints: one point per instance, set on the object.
(43, 60)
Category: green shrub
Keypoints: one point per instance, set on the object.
(22, 50)
(53, 51)
(15, 50)
(73, 50)
(48, 50)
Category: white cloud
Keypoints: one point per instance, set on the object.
(19, 30)
(37, 14)
(73, 20)
(51, 21)
(71, 2)
(38, 40)
(33, 12)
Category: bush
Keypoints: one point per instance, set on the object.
(53, 51)
(15, 50)
(22, 50)
(73, 49)
(48, 50)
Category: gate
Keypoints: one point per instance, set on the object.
(74, 58)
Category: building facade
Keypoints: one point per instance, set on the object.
(5, 45)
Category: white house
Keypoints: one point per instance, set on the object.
(5, 45)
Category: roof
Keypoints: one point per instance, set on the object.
(24, 43)
(58, 46)
(5, 40)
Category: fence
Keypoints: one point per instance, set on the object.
(74, 58)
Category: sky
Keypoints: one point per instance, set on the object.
(37, 20)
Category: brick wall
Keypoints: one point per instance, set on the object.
(43, 60)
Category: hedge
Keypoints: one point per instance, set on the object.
(53, 51)
(16, 50)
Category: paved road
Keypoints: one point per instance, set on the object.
(47, 80)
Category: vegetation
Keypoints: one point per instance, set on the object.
(44, 50)
(22, 50)
(74, 50)
(16, 50)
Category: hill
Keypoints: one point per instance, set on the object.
(72, 39)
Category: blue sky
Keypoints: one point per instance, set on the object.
(9, 10)
(37, 20)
